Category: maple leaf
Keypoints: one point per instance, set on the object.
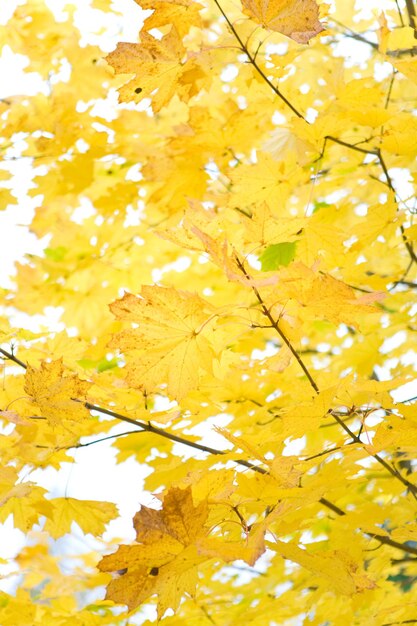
(159, 68)
(347, 577)
(267, 181)
(25, 501)
(90, 516)
(297, 19)
(322, 296)
(164, 560)
(181, 14)
(56, 392)
(174, 340)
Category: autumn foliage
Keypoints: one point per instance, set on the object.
(224, 206)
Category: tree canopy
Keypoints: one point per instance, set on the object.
(224, 206)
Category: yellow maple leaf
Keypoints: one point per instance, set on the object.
(164, 560)
(266, 180)
(159, 69)
(25, 501)
(249, 449)
(91, 516)
(408, 67)
(229, 551)
(323, 297)
(181, 14)
(266, 228)
(405, 533)
(6, 198)
(56, 391)
(298, 19)
(337, 567)
(173, 341)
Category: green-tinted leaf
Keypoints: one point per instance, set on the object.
(276, 255)
(320, 205)
(100, 365)
(56, 254)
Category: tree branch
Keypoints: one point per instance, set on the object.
(411, 10)
(275, 325)
(167, 435)
(376, 152)
(11, 357)
(252, 61)
(355, 438)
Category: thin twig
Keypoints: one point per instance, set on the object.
(355, 438)
(354, 35)
(256, 468)
(152, 429)
(400, 15)
(323, 453)
(11, 357)
(90, 443)
(275, 325)
(253, 62)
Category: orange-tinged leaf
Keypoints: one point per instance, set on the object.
(165, 559)
(298, 19)
(179, 518)
(159, 69)
(182, 14)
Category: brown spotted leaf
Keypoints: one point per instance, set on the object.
(165, 558)
(297, 19)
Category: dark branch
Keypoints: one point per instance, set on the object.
(275, 325)
(11, 357)
(162, 433)
(252, 61)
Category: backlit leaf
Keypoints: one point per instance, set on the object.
(276, 255)
(297, 19)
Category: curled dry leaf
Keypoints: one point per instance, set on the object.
(297, 19)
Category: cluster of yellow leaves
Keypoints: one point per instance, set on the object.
(230, 249)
